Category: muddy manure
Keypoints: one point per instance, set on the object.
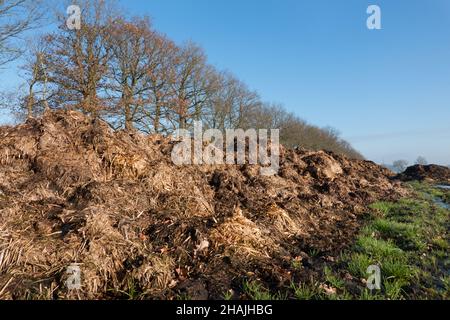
(431, 173)
(74, 192)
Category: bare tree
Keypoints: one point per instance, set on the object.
(17, 17)
(400, 165)
(140, 73)
(156, 114)
(295, 132)
(39, 91)
(34, 95)
(130, 43)
(231, 103)
(421, 161)
(78, 60)
(190, 86)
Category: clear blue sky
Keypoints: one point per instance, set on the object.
(387, 91)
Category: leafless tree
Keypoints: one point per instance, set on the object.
(17, 17)
(400, 165)
(78, 60)
(422, 161)
(140, 70)
(232, 103)
(39, 90)
(191, 85)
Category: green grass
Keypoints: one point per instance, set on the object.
(394, 288)
(313, 252)
(446, 197)
(398, 269)
(255, 291)
(333, 280)
(367, 294)
(228, 295)
(305, 291)
(381, 207)
(358, 263)
(377, 248)
(404, 235)
(446, 283)
(427, 191)
(183, 297)
(131, 292)
(409, 241)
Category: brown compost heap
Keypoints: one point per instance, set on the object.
(73, 191)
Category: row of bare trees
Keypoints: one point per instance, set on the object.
(124, 71)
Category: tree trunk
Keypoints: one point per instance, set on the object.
(157, 118)
(128, 117)
(30, 103)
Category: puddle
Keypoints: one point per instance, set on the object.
(439, 201)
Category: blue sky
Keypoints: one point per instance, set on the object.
(387, 91)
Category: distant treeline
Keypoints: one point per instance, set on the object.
(122, 70)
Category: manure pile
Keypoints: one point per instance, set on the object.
(72, 191)
(430, 173)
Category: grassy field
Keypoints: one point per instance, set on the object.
(408, 240)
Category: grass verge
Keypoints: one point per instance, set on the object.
(407, 240)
